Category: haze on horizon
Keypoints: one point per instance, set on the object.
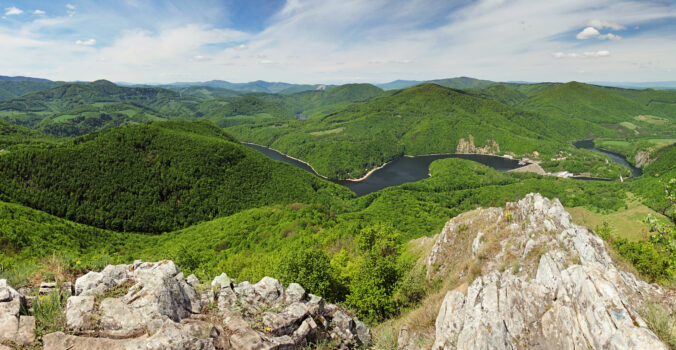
(338, 41)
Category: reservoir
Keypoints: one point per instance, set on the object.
(399, 171)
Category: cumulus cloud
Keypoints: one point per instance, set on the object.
(587, 33)
(9, 11)
(88, 42)
(39, 12)
(591, 32)
(70, 6)
(596, 23)
(586, 54)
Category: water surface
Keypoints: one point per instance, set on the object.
(589, 144)
(398, 171)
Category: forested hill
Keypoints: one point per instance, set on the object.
(423, 119)
(16, 87)
(153, 177)
(72, 95)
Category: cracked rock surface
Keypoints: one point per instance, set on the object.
(565, 294)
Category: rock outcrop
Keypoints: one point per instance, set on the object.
(153, 306)
(543, 282)
(467, 146)
(14, 327)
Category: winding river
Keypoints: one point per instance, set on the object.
(408, 169)
(399, 171)
(619, 159)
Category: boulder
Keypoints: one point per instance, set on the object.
(294, 293)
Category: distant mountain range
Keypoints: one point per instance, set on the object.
(21, 78)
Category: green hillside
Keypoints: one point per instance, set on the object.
(95, 117)
(31, 108)
(602, 105)
(153, 177)
(12, 134)
(11, 89)
(420, 120)
(257, 108)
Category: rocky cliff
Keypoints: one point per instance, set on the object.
(542, 282)
(153, 306)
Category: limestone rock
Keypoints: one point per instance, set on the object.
(14, 327)
(222, 281)
(80, 312)
(577, 298)
(161, 309)
(294, 293)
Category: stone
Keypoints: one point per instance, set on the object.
(80, 312)
(578, 298)
(270, 290)
(47, 287)
(222, 281)
(4, 295)
(192, 280)
(170, 336)
(294, 293)
(282, 323)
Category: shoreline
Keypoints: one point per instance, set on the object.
(315, 171)
(370, 172)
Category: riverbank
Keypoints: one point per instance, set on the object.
(315, 171)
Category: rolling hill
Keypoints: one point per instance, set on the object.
(31, 108)
(12, 88)
(153, 177)
(423, 119)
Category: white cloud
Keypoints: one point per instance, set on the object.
(39, 12)
(336, 41)
(9, 11)
(587, 33)
(591, 32)
(70, 6)
(604, 24)
(610, 36)
(88, 42)
(586, 54)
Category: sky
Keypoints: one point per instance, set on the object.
(339, 41)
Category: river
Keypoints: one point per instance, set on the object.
(619, 159)
(399, 171)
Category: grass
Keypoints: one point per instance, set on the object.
(327, 132)
(627, 222)
(662, 142)
(660, 322)
(628, 125)
(49, 314)
(652, 119)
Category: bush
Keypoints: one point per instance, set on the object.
(311, 268)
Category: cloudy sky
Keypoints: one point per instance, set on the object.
(337, 41)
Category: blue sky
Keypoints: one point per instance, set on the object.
(337, 41)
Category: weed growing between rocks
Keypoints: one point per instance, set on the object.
(661, 322)
(49, 313)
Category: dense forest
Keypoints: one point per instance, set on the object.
(153, 177)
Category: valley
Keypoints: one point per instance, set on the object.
(343, 190)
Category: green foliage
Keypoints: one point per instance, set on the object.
(153, 178)
(372, 289)
(49, 312)
(311, 268)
